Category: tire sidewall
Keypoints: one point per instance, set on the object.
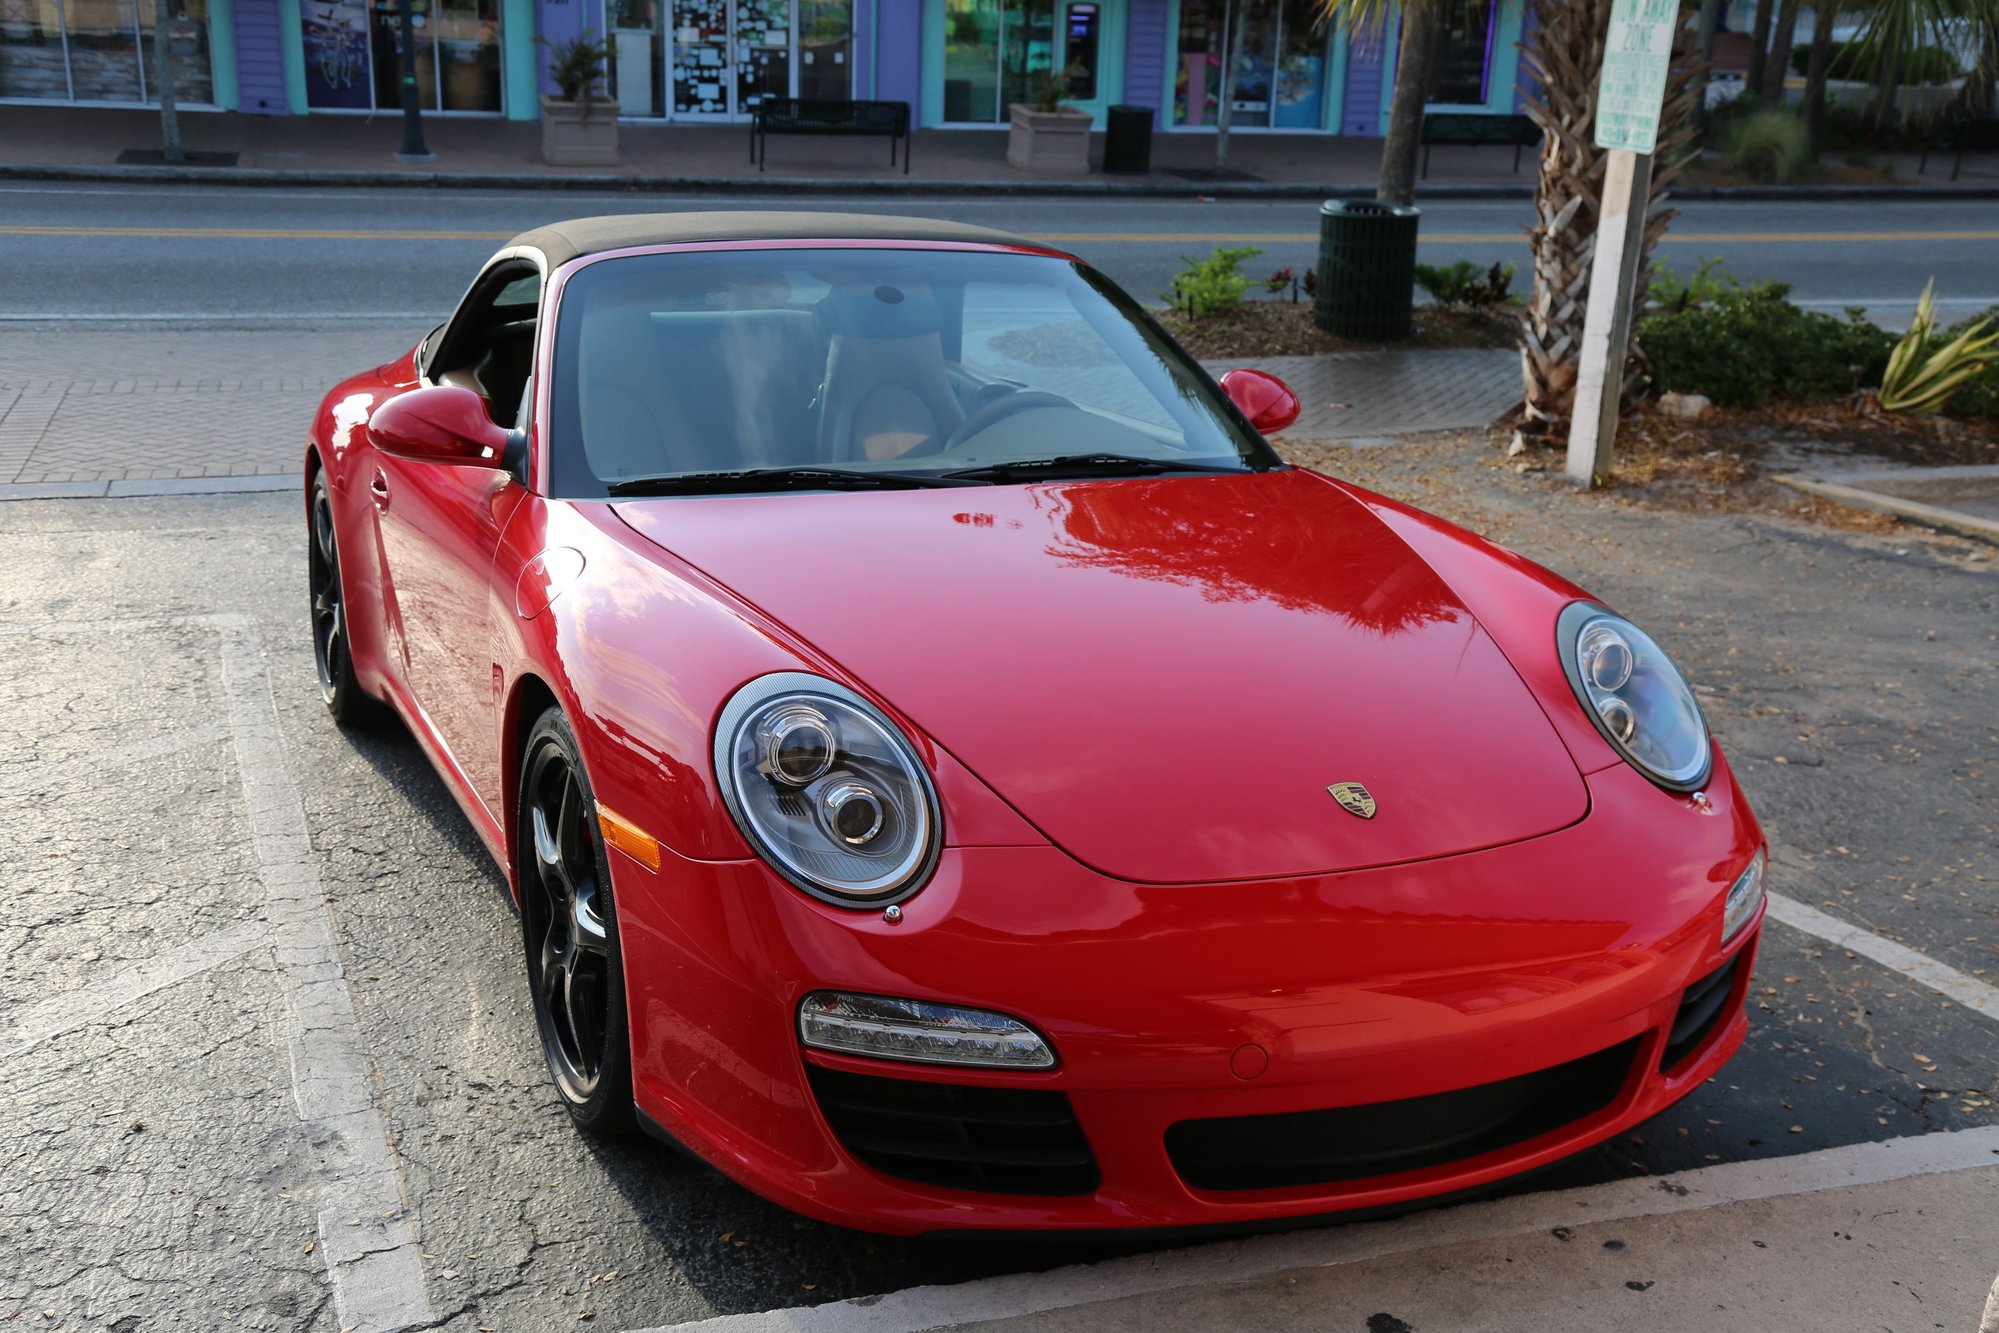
(608, 1109)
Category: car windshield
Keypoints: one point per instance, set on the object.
(675, 372)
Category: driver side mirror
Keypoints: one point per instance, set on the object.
(1266, 400)
(445, 423)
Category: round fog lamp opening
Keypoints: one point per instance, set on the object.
(886, 1028)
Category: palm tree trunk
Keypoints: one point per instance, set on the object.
(1567, 58)
(1759, 46)
(163, 81)
(1781, 41)
(1816, 71)
(1232, 31)
(1415, 63)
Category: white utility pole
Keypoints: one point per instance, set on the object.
(1630, 95)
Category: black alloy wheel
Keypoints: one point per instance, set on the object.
(344, 697)
(570, 925)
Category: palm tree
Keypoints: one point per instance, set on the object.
(1566, 57)
(1415, 63)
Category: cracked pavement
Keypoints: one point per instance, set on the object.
(164, 1170)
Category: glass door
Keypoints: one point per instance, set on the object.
(825, 48)
(996, 52)
(701, 57)
(638, 56)
(1280, 68)
(763, 52)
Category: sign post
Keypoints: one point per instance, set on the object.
(1630, 96)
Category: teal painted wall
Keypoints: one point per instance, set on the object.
(517, 26)
(294, 56)
(222, 51)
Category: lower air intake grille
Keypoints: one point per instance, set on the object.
(1300, 1148)
(1700, 1010)
(996, 1140)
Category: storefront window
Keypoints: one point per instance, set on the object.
(719, 58)
(1462, 54)
(353, 55)
(994, 55)
(1280, 73)
(100, 50)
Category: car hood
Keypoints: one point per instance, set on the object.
(1164, 675)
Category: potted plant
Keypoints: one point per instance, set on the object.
(1046, 136)
(579, 128)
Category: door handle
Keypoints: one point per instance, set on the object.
(379, 490)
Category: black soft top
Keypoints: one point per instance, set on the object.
(561, 242)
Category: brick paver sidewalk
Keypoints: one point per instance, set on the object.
(78, 410)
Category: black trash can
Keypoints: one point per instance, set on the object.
(1128, 141)
(1367, 269)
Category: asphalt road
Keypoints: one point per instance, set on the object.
(188, 840)
(236, 255)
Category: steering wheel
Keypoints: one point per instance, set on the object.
(1025, 400)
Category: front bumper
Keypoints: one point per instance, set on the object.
(1170, 1004)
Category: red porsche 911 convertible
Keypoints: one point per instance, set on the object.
(955, 777)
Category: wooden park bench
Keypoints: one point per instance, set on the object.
(813, 115)
(1475, 130)
(1968, 136)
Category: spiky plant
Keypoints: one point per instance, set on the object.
(1566, 56)
(1922, 379)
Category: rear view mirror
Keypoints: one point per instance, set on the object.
(1266, 400)
(442, 424)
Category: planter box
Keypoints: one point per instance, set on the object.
(568, 140)
(1054, 143)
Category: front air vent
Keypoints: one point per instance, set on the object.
(1700, 1011)
(960, 1136)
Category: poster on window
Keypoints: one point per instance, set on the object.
(336, 53)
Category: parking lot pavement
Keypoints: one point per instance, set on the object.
(267, 1056)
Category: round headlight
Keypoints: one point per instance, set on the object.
(827, 790)
(1636, 697)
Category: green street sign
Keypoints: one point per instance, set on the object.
(1636, 56)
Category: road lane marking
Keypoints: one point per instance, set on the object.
(1230, 1262)
(376, 1268)
(42, 776)
(1968, 991)
(1069, 237)
(80, 1008)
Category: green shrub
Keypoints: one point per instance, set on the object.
(1767, 146)
(1750, 344)
(1980, 395)
(1668, 292)
(1466, 284)
(577, 66)
(1214, 285)
(1925, 371)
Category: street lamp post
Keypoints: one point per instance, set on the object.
(413, 149)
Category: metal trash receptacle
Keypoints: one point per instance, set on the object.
(1128, 140)
(1367, 269)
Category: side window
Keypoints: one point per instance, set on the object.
(489, 345)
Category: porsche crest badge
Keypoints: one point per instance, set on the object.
(1353, 798)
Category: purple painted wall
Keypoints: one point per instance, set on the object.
(1368, 62)
(864, 48)
(260, 59)
(1526, 84)
(899, 53)
(1145, 73)
(560, 21)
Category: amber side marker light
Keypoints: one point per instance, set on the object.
(628, 838)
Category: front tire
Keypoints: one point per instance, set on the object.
(569, 925)
(345, 699)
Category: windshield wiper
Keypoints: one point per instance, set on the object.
(773, 479)
(1082, 465)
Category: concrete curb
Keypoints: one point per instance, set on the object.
(1093, 187)
(1930, 516)
(145, 486)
